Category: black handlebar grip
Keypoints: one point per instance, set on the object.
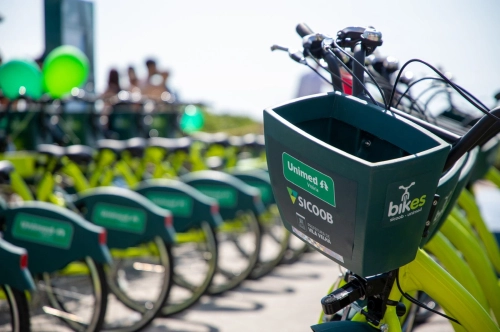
(303, 30)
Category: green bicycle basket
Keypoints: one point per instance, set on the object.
(353, 180)
(446, 190)
(463, 180)
(126, 121)
(162, 122)
(25, 129)
(77, 121)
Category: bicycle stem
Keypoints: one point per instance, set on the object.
(357, 69)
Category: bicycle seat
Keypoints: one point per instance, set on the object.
(136, 146)
(114, 145)
(171, 144)
(221, 139)
(80, 154)
(208, 138)
(254, 141)
(260, 140)
(51, 150)
(6, 168)
(249, 139)
(162, 142)
(236, 141)
(202, 137)
(183, 144)
(214, 163)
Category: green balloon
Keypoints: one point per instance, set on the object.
(21, 77)
(65, 68)
(192, 119)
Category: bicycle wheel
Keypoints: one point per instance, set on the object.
(195, 253)
(274, 242)
(74, 297)
(295, 250)
(14, 312)
(139, 280)
(239, 249)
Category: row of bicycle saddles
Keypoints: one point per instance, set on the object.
(125, 231)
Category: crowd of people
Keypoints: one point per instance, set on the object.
(155, 86)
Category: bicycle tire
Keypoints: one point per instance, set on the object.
(18, 318)
(233, 269)
(205, 259)
(140, 280)
(295, 250)
(77, 296)
(274, 243)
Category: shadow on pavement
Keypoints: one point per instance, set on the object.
(317, 262)
(225, 304)
(285, 290)
(295, 276)
(179, 325)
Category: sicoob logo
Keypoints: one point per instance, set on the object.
(309, 206)
(407, 204)
(293, 194)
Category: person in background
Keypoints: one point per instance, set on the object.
(155, 84)
(169, 95)
(152, 69)
(113, 85)
(310, 83)
(133, 80)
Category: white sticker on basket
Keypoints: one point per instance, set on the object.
(317, 245)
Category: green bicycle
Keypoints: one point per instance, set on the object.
(365, 150)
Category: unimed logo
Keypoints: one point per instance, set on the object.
(407, 204)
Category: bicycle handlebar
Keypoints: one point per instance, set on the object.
(303, 29)
(479, 134)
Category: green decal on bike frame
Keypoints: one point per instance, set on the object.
(55, 233)
(119, 218)
(265, 191)
(309, 179)
(179, 205)
(227, 197)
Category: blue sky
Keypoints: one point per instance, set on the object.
(218, 50)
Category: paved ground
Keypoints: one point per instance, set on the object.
(286, 300)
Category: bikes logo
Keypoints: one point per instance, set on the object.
(407, 206)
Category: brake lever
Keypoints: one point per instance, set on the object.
(296, 56)
(278, 48)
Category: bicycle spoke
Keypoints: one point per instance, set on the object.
(61, 314)
(181, 282)
(146, 267)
